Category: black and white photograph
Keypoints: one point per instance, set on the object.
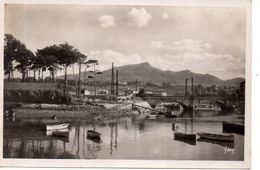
(126, 82)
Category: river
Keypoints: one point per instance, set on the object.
(127, 138)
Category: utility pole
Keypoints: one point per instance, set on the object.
(112, 79)
(117, 82)
(79, 90)
(135, 84)
(192, 86)
(186, 87)
(95, 92)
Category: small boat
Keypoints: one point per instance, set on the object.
(217, 142)
(219, 137)
(95, 140)
(151, 116)
(230, 127)
(186, 138)
(57, 126)
(56, 131)
(60, 134)
(93, 134)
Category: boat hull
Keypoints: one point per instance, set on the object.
(233, 128)
(151, 116)
(217, 137)
(186, 138)
(60, 134)
(57, 126)
(92, 134)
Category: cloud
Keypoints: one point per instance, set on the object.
(107, 21)
(139, 17)
(195, 46)
(165, 15)
(186, 45)
(156, 44)
(107, 56)
(197, 56)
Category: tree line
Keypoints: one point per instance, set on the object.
(51, 58)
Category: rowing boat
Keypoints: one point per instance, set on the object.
(219, 137)
(93, 134)
(57, 126)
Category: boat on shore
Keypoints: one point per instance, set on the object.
(230, 127)
(93, 134)
(57, 126)
(217, 137)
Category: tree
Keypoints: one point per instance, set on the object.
(67, 56)
(48, 58)
(93, 63)
(24, 59)
(81, 60)
(16, 51)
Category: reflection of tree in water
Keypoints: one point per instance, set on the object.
(93, 146)
(141, 125)
(21, 151)
(112, 126)
(92, 149)
(7, 148)
(76, 141)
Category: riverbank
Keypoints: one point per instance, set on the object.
(90, 115)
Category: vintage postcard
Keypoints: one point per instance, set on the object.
(126, 84)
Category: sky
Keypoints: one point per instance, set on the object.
(202, 39)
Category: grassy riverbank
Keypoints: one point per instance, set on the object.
(89, 115)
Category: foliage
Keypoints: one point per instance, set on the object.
(36, 96)
(14, 50)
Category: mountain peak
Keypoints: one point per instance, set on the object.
(145, 64)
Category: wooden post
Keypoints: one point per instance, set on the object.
(186, 87)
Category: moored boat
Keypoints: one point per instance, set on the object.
(230, 127)
(95, 140)
(217, 142)
(218, 137)
(57, 126)
(60, 134)
(185, 137)
(56, 131)
(93, 134)
(151, 116)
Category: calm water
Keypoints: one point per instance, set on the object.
(129, 138)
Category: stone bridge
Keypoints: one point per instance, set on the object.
(187, 102)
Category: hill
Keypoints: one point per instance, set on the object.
(144, 72)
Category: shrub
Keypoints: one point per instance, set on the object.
(36, 96)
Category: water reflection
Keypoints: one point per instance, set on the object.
(130, 138)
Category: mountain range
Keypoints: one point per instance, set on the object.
(144, 73)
